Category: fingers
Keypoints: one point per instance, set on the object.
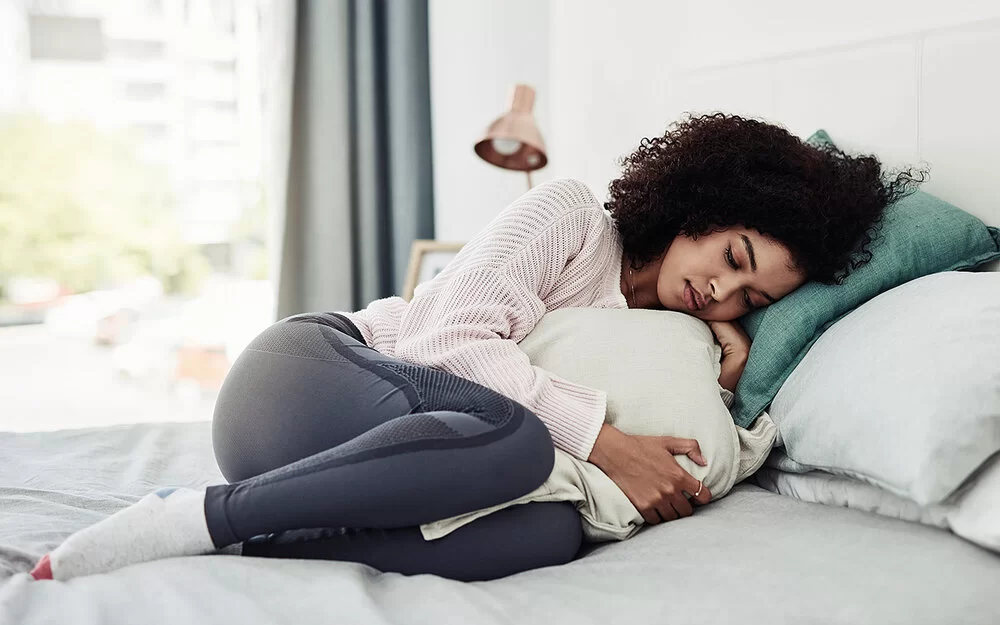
(716, 331)
(696, 457)
(687, 447)
(650, 515)
(668, 508)
(721, 327)
(703, 497)
(692, 485)
(666, 511)
(673, 506)
(664, 495)
(681, 505)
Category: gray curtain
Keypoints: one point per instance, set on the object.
(359, 182)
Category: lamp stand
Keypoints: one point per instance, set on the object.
(529, 181)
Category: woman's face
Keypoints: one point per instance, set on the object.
(717, 275)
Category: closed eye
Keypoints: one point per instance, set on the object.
(730, 259)
(747, 302)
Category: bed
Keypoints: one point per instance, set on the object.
(752, 557)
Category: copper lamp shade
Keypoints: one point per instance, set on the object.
(512, 141)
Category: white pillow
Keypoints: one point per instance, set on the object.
(660, 370)
(974, 513)
(904, 392)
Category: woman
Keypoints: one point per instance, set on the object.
(341, 433)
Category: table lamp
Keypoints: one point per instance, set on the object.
(512, 141)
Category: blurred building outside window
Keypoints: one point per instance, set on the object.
(133, 225)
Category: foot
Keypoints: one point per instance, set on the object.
(164, 524)
(42, 570)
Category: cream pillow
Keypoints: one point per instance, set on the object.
(660, 370)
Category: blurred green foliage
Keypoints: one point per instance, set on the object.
(78, 206)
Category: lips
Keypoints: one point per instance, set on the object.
(692, 298)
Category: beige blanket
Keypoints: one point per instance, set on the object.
(606, 513)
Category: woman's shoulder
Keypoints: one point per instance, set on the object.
(546, 204)
(565, 194)
(552, 219)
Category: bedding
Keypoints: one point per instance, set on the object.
(660, 370)
(972, 513)
(752, 557)
(920, 235)
(904, 392)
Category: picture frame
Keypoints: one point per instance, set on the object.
(427, 259)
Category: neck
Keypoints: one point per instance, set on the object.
(644, 282)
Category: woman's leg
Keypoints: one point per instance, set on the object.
(336, 434)
(511, 540)
(343, 436)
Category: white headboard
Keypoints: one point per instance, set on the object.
(911, 86)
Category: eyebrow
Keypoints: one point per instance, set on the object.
(753, 264)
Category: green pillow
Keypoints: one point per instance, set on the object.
(920, 235)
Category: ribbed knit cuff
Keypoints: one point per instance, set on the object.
(727, 396)
(574, 415)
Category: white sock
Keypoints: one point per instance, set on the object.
(167, 523)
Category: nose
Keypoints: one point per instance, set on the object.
(722, 289)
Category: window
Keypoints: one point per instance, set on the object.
(217, 14)
(133, 264)
(136, 49)
(145, 90)
(65, 38)
(149, 131)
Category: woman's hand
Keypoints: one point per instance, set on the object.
(645, 470)
(735, 350)
(732, 338)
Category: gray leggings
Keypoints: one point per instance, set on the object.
(336, 451)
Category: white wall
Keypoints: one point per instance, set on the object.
(479, 49)
(907, 80)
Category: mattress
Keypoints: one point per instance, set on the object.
(752, 557)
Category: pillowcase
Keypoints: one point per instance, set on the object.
(660, 370)
(974, 513)
(904, 392)
(920, 235)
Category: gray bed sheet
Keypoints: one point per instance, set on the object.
(752, 557)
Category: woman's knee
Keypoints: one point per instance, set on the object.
(533, 447)
(534, 535)
(562, 529)
(516, 436)
(508, 541)
(509, 461)
(525, 456)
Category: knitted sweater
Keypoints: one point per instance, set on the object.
(554, 247)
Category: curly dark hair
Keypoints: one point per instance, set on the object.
(717, 171)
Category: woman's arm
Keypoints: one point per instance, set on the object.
(735, 350)
(732, 369)
(469, 318)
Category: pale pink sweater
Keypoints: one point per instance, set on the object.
(554, 247)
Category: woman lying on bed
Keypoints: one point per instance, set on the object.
(372, 423)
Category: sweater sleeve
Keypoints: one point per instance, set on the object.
(727, 396)
(469, 319)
